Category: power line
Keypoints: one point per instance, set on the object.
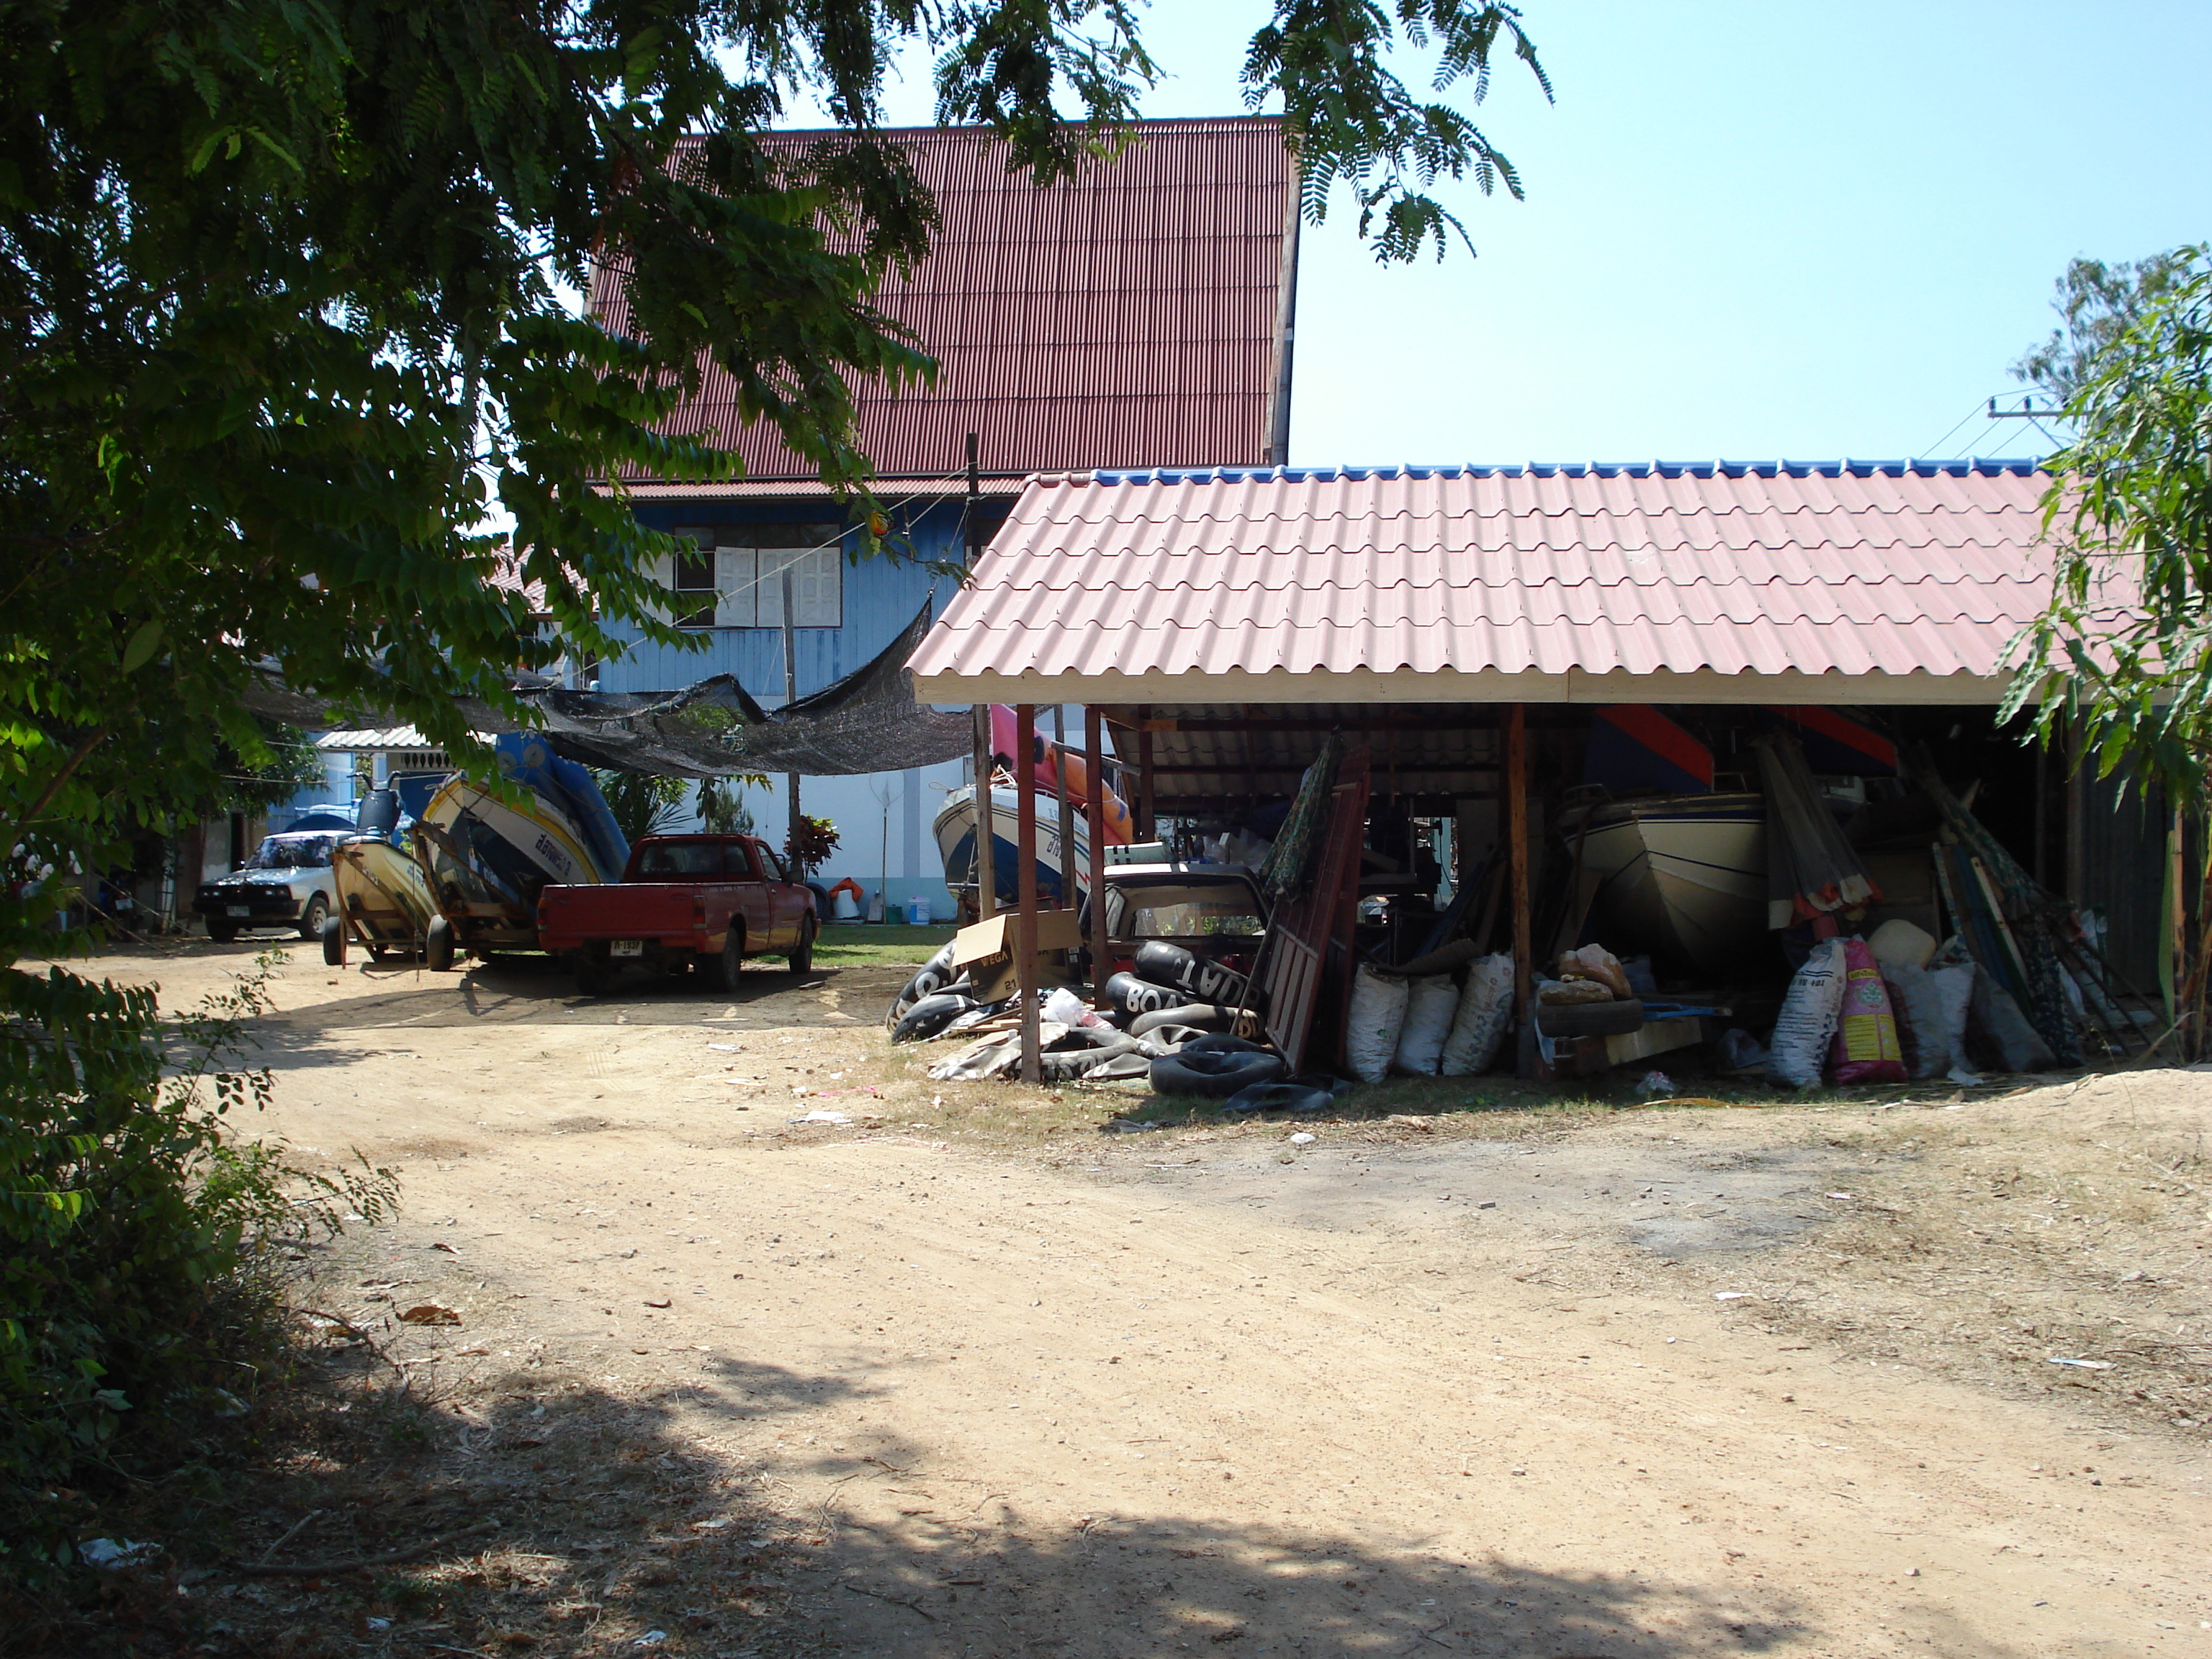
(797, 554)
(1979, 404)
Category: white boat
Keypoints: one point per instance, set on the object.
(955, 829)
(487, 861)
(383, 899)
(1681, 876)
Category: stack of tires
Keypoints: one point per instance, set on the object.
(1170, 985)
(1177, 997)
(931, 1000)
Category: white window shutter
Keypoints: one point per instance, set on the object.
(737, 602)
(663, 571)
(821, 589)
(767, 590)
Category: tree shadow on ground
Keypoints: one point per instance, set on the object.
(1111, 1587)
(681, 1520)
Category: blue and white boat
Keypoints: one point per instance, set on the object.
(955, 830)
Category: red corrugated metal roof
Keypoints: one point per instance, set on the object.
(1130, 317)
(1864, 582)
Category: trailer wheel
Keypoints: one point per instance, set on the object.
(438, 946)
(334, 941)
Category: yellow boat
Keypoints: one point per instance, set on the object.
(383, 900)
(486, 860)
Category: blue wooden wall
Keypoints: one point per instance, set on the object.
(881, 597)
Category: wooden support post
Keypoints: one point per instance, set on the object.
(986, 852)
(1145, 831)
(1025, 928)
(1094, 811)
(1067, 807)
(1516, 844)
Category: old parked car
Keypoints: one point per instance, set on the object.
(288, 883)
(1214, 911)
(707, 901)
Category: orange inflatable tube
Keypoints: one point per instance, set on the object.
(1051, 768)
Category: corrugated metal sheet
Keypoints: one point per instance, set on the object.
(1127, 318)
(1869, 581)
(746, 489)
(1201, 753)
(371, 740)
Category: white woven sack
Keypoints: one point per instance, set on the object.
(1429, 1006)
(1485, 1008)
(1378, 1014)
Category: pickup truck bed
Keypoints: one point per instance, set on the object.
(685, 902)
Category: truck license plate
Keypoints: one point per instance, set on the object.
(238, 909)
(627, 947)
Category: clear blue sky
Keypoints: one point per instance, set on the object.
(1751, 230)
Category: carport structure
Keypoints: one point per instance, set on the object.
(1225, 622)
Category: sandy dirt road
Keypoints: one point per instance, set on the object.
(1540, 1396)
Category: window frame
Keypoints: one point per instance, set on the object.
(741, 591)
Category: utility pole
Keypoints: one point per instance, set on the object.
(791, 696)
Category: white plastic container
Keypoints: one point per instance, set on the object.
(917, 910)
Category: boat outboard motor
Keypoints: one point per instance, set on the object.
(380, 813)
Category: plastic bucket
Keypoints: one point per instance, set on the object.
(845, 909)
(917, 911)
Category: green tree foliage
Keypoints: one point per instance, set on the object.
(138, 1239)
(721, 805)
(288, 763)
(2098, 303)
(285, 333)
(2126, 642)
(642, 805)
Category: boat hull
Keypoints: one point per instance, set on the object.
(955, 831)
(382, 894)
(1683, 877)
(486, 861)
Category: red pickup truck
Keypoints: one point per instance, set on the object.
(684, 901)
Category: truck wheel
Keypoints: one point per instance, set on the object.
(438, 946)
(732, 961)
(802, 954)
(334, 941)
(311, 919)
(221, 929)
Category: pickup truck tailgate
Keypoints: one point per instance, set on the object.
(643, 910)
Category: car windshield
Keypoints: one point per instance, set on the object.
(1172, 909)
(293, 852)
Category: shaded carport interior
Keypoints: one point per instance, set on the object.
(1224, 622)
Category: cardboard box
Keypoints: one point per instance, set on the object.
(986, 951)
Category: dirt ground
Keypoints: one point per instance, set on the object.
(967, 1375)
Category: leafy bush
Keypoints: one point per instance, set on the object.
(811, 840)
(642, 805)
(137, 1236)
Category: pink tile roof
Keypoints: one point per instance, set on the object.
(1853, 581)
(1132, 316)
